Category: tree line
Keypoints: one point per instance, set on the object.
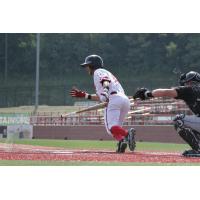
(146, 59)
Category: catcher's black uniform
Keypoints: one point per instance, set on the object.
(188, 126)
(191, 96)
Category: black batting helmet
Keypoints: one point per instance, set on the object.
(94, 61)
(192, 76)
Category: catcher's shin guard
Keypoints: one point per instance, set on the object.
(190, 137)
(197, 134)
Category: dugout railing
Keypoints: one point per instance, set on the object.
(158, 111)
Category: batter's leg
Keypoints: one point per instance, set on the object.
(113, 128)
(130, 138)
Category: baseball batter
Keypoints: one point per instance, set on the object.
(108, 89)
(188, 126)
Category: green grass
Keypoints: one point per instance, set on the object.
(93, 144)
(69, 144)
(41, 109)
(78, 163)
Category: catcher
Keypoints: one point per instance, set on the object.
(188, 126)
(108, 89)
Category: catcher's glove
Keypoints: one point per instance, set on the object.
(142, 93)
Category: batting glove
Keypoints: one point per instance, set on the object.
(78, 93)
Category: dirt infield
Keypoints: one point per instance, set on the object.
(28, 152)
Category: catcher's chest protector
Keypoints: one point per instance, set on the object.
(194, 104)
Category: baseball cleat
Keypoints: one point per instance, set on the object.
(131, 139)
(121, 146)
(191, 153)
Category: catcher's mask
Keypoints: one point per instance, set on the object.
(193, 77)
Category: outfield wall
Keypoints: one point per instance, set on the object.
(143, 133)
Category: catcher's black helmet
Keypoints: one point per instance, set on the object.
(192, 76)
(94, 61)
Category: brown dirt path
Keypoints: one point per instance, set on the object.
(28, 152)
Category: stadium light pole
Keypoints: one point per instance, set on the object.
(6, 59)
(37, 72)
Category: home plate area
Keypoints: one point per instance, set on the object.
(28, 152)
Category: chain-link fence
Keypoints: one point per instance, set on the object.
(58, 94)
(20, 96)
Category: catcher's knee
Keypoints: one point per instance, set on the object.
(179, 121)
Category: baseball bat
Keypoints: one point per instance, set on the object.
(140, 110)
(95, 107)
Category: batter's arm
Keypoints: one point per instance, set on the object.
(94, 97)
(75, 92)
(104, 95)
(144, 93)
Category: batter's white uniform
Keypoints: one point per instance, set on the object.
(119, 104)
